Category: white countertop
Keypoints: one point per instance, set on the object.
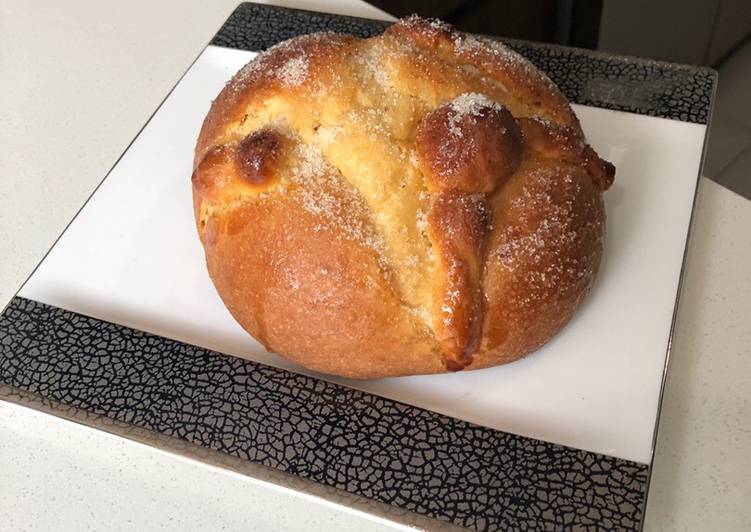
(75, 94)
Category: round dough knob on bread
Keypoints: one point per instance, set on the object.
(418, 202)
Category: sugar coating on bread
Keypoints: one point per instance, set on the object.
(417, 202)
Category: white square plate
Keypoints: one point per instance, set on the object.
(132, 257)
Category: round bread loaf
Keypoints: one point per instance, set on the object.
(418, 202)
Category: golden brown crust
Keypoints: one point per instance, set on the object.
(545, 249)
(259, 156)
(494, 60)
(281, 69)
(466, 149)
(458, 226)
(417, 202)
(468, 145)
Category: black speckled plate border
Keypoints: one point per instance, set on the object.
(382, 450)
